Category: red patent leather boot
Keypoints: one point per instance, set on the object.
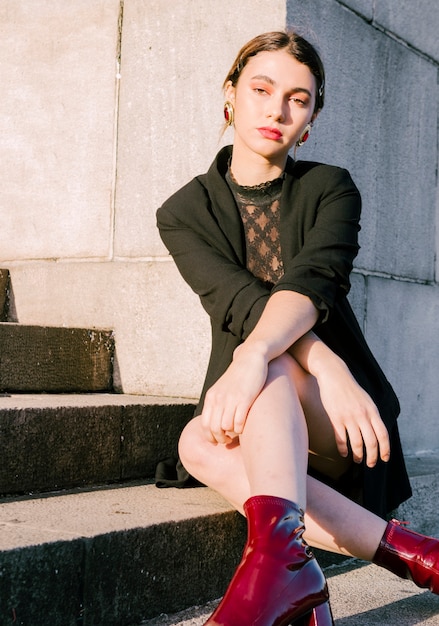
(320, 615)
(410, 555)
(278, 581)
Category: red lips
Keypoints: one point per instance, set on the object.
(270, 133)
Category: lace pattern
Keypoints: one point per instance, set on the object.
(259, 207)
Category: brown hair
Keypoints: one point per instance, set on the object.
(294, 44)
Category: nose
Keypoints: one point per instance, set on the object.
(276, 109)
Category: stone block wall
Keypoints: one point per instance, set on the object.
(110, 106)
(380, 122)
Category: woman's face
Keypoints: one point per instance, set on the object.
(274, 100)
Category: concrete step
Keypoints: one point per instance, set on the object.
(50, 442)
(361, 595)
(123, 555)
(114, 557)
(4, 294)
(48, 359)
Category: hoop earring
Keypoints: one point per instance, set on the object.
(304, 136)
(229, 113)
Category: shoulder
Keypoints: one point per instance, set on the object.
(199, 193)
(320, 176)
(184, 202)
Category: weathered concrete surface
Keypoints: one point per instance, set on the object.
(406, 343)
(175, 57)
(375, 124)
(422, 509)
(162, 335)
(49, 359)
(53, 442)
(57, 119)
(114, 557)
(414, 22)
(364, 7)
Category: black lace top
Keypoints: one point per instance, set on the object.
(259, 207)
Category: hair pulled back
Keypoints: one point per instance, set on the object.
(294, 44)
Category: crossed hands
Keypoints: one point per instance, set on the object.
(358, 427)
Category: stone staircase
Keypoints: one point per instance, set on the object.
(86, 538)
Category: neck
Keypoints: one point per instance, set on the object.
(250, 172)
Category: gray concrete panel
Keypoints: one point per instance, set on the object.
(379, 121)
(417, 23)
(402, 331)
(175, 57)
(357, 297)
(364, 7)
(57, 127)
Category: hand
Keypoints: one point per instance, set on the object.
(229, 400)
(354, 416)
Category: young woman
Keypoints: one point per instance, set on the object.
(295, 414)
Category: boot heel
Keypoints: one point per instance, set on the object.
(320, 616)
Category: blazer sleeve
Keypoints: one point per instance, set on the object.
(326, 233)
(231, 295)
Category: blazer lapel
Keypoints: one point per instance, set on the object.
(224, 205)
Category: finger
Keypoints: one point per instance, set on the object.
(216, 428)
(341, 441)
(240, 419)
(383, 438)
(376, 438)
(356, 443)
(371, 446)
(205, 423)
(234, 437)
(228, 419)
(211, 418)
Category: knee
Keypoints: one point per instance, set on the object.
(191, 447)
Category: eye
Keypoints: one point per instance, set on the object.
(299, 101)
(260, 90)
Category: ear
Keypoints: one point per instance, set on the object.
(229, 92)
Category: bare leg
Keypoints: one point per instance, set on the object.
(274, 446)
(270, 459)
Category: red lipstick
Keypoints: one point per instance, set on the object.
(270, 133)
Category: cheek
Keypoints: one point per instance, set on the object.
(242, 111)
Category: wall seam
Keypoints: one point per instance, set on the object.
(403, 279)
(116, 132)
(392, 35)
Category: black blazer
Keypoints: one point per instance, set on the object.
(319, 224)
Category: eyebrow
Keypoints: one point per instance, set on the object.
(270, 81)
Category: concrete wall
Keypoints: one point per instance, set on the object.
(380, 121)
(107, 107)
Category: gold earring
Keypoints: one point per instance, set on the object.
(304, 136)
(229, 113)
